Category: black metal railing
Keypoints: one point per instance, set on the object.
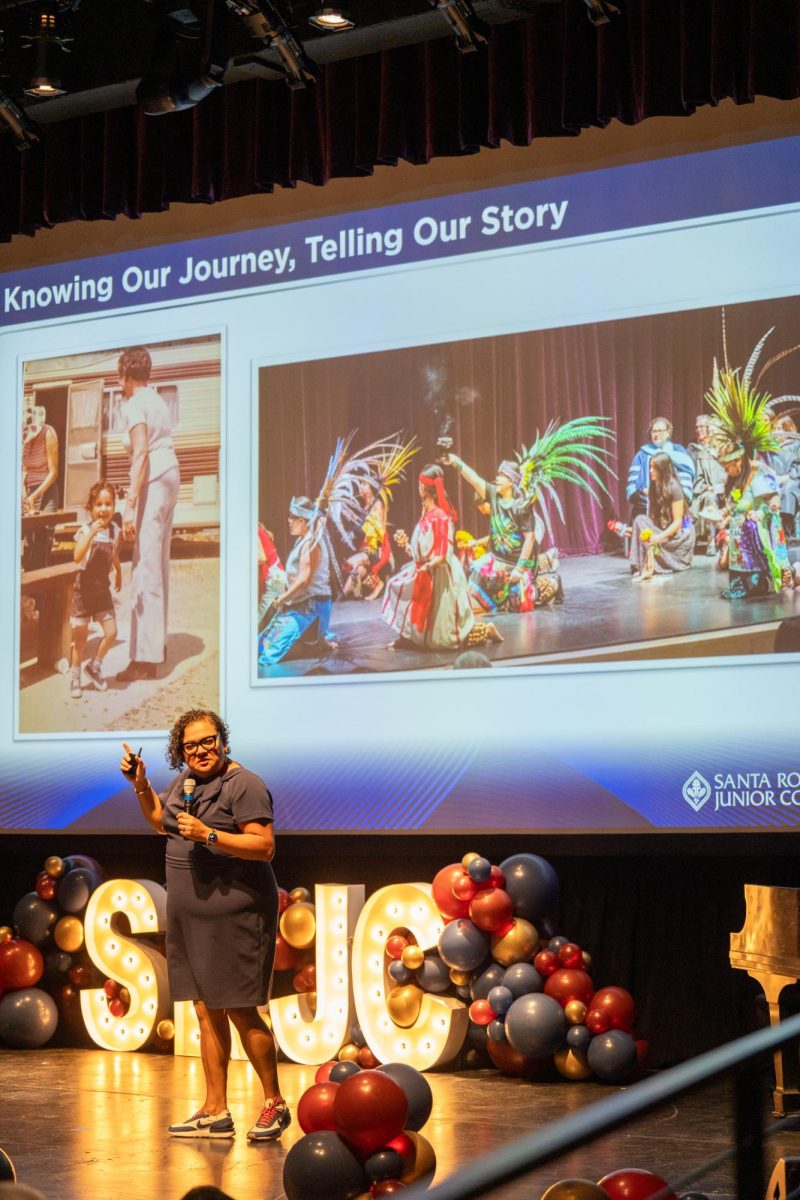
(743, 1059)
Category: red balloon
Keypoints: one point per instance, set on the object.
(315, 1110)
(405, 1147)
(285, 955)
(367, 1059)
(632, 1184)
(306, 978)
(323, 1072)
(570, 955)
(284, 900)
(481, 1012)
(491, 909)
(545, 962)
(79, 975)
(111, 988)
(443, 897)
(566, 985)
(386, 1187)
(497, 878)
(395, 945)
(597, 1021)
(46, 887)
(618, 1005)
(369, 1110)
(642, 1051)
(21, 964)
(510, 1062)
(464, 887)
(117, 1008)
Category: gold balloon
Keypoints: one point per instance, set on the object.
(575, 1012)
(54, 866)
(6, 933)
(572, 1064)
(424, 1163)
(575, 1189)
(468, 858)
(68, 934)
(311, 1001)
(125, 996)
(299, 894)
(459, 978)
(404, 1004)
(348, 1053)
(412, 957)
(587, 959)
(166, 1030)
(517, 945)
(298, 925)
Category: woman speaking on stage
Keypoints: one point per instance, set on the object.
(222, 910)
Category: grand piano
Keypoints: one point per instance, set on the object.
(768, 948)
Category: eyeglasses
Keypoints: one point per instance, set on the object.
(207, 743)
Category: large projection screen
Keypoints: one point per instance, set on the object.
(484, 317)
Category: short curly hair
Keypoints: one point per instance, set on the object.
(174, 754)
(135, 363)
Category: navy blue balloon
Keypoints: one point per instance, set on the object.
(578, 1037)
(476, 1036)
(56, 965)
(384, 1164)
(557, 942)
(522, 978)
(479, 870)
(417, 1092)
(536, 1025)
(500, 1000)
(398, 973)
(75, 888)
(482, 984)
(612, 1055)
(321, 1166)
(434, 975)
(463, 993)
(496, 1031)
(34, 918)
(532, 885)
(357, 1035)
(342, 1071)
(28, 1018)
(7, 1172)
(462, 945)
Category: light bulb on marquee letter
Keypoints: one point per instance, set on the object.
(439, 1031)
(308, 1037)
(134, 964)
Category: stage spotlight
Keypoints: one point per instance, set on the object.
(188, 60)
(24, 131)
(332, 18)
(265, 22)
(49, 47)
(470, 31)
(601, 11)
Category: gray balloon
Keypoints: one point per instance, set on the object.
(28, 1018)
(34, 918)
(536, 1025)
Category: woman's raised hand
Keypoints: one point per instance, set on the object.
(132, 767)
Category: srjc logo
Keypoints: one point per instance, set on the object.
(696, 790)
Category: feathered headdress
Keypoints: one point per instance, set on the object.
(380, 464)
(743, 415)
(568, 453)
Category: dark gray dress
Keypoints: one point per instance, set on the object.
(222, 912)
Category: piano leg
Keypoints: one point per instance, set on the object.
(786, 1093)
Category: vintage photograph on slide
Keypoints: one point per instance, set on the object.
(119, 547)
(610, 492)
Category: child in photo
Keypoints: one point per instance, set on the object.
(97, 553)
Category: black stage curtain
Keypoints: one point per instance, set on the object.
(551, 75)
(500, 390)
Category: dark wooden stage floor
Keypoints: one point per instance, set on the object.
(90, 1125)
(605, 617)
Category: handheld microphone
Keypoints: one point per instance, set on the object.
(189, 785)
